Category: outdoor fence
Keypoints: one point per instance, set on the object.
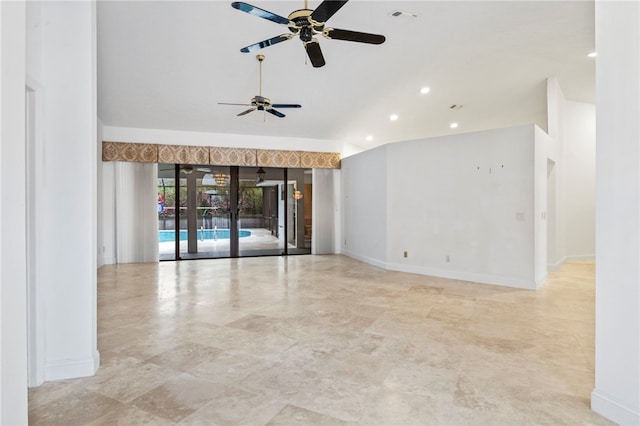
(167, 222)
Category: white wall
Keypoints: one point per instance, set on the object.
(572, 129)
(431, 222)
(13, 308)
(462, 206)
(364, 206)
(176, 137)
(36, 183)
(580, 179)
(69, 226)
(617, 388)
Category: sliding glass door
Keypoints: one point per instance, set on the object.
(259, 212)
(210, 221)
(214, 211)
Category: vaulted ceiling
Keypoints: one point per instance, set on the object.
(167, 65)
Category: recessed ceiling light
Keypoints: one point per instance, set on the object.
(393, 117)
(425, 90)
(592, 54)
(453, 125)
(369, 138)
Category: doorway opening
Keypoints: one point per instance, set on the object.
(551, 216)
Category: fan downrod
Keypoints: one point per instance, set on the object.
(262, 103)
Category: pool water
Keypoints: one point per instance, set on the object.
(203, 234)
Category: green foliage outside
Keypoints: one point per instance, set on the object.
(213, 201)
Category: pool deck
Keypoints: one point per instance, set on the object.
(260, 239)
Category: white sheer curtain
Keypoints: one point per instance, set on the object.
(136, 214)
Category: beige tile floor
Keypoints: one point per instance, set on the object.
(329, 340)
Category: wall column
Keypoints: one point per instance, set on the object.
(617, 389)
(13, 280)
(68, 261)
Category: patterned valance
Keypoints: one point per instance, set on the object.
(217, 156)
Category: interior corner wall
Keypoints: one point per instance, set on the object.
(13, 280)
(544, 147)
(462, 206)
(572, 130)
(68, 263)
(556, 113)
(580, 179)
(616, 395)
(364, 193)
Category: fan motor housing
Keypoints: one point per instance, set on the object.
(260, 105)
(301, 19)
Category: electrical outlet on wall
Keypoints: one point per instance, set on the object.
(447, 258)
(406, 254)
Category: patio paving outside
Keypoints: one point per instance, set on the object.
(260, 239)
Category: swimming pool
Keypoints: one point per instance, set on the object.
(203, 234)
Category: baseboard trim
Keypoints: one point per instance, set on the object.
(580, 257)
(612, 409)
(72, 369)
(553, 267)
(540, 281)
(365, 259)
(514, 282)
(465, 276)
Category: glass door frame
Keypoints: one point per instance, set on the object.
(283, 192)
(234, 185)
(192, 228)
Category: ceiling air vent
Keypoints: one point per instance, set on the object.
(398, 13)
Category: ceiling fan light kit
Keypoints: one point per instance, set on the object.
(260, 174)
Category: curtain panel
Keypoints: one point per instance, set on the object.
(136, 214)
